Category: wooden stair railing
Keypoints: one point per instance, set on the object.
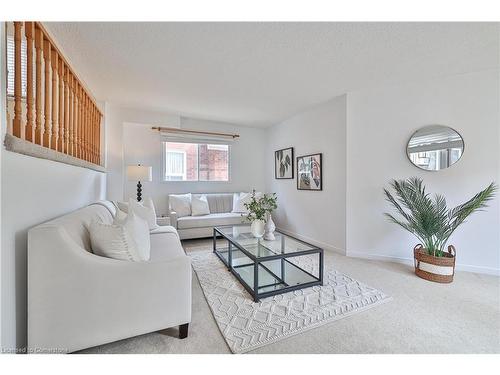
(30, 117)
(58, 112)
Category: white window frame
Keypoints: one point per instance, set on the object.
(198, 142)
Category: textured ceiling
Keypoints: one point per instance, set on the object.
(258, 74)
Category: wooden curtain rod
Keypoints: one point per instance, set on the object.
(177, 130)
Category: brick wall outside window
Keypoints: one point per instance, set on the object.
(213, 161)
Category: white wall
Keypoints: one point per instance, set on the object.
(32, 191)
(114, 118)
(316, 216)
(381, 120)
(143, 145)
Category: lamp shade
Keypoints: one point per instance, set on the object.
(139, 173)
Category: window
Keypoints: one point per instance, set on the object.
(436, 159)
(10, 66)
(195, 161)
(175, 166)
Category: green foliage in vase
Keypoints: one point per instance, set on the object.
(428, 218)
(258, 208)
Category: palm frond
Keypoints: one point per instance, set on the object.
(428, 218)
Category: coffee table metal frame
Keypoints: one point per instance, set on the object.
(257, 261)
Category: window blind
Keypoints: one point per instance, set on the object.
(10, 67)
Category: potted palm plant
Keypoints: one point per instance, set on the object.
(432, 222)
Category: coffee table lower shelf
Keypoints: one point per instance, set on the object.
(268, 277)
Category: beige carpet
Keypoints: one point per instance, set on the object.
(424, 317)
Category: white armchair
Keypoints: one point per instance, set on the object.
(78, 300)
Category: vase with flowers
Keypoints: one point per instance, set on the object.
(259, 209)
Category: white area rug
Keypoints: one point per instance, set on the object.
(247, 325)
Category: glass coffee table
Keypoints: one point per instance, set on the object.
(266, 268)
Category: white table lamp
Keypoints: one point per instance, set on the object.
(139, 173)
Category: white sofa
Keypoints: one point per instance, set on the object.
(78, 300)
(220, 204)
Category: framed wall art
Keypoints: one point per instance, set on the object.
(283, 164)
(310, 172)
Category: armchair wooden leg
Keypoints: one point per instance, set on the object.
(183, 330)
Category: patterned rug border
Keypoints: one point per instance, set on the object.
(275, 339)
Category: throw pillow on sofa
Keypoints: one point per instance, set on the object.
(239, 200)
(126, 239)
(181, 204)
(120, 215)
(123, 206)
(199, 205)
(139, 229)
(145, 211)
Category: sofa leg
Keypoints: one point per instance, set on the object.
(183, 330)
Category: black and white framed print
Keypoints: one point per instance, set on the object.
(283, 164)
(310, 172)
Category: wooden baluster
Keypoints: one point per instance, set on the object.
(79, 121)
(60, 143)
(84, 126)
(71, 115)
(47, 135)
(29, 28)
(76, 123)
(96, 127)
(78, 127)
(86, 129)
(75, 113)
(18, 111)
(92, 133)
(89, 145)
(38, 97)
(99, 138)
(82, 123)
(55, 102)
(75, 118)
(89, 134)
(67, 115)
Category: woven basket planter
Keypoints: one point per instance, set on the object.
(437, 269)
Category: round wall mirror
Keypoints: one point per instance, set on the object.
(435, 147)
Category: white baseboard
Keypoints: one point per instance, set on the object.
(409, 261)
(386, 258)
(314, 242)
